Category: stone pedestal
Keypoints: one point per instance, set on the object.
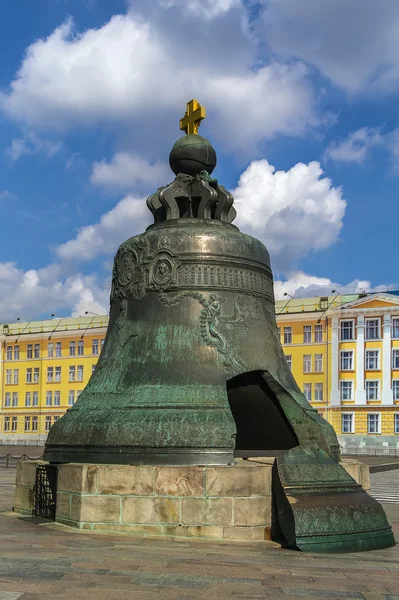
(224, 502)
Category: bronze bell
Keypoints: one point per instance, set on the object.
(192, 369)
(192, 366)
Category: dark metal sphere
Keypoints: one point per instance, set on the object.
(192, 154)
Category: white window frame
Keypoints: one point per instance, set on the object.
(15, 398)
(29, 375)
(15, 376)
(395, 389)
(375, 381)
(81, 347)
(316, 361)
(395, 328)
(378, 359)
(14, 424)
(28, 398)
(35, 399)
(318, 333)
(395, 355)
(72, 373)
(367, 320)
(16, 352)
(7, 401)
(7, 424)
(8, 376)
(35, 423)
(9, 352)
(71, 396)
(27, 423)
(307, 334)
(72, 348)
(307, 363)
(57, 398)
(344, 381)
(352, 422)
(49, 398)
(29, 351)
(37, 351)
(378, 414)
(396, 423)
(95, 346)
(307, 387)
(288, 334)
(342, 321)
(50, 349)
(288, 358)
(50, 374)
(80, 373)
(57, 374)
(58, 349)
(47, 423)
(318, 387)
(341, 359)
(36, 374)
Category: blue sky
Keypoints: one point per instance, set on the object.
(301, 100)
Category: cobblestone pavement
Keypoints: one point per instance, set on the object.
(51, 562)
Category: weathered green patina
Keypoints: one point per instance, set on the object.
(192, 310)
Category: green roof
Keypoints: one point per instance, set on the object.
(56, 324)
(300, 305)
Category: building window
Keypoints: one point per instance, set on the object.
(396, 423)
(318, 333)
(288, 358)
(29, 351)
(8, 399)
(7, 421)
(14, 424)
(28, 375)
(72, 348)
(16, 376)
(37, 350)
(287, 335)
(347, 328)
(80, 373)
(94, 347)
(49, 398)
(57, 374)
(36, 374)
(35, 423)
(58, 349)
(307, 390)
(28, 398)
(307, 363)
(347, 423)
(93, 367)
(395, 327)
(35, 399)
(318, 363)
(9, 352)
(323, 302)
(346, 360)
(346, 390)
(395, 359)
(50, 374)
(8, 375)
(16, 352)
(395, 389)
(57, 398)
(15, 398)
(71, 397)
(50, 349)
(80, 348)
(371, 360)
(72, 373)
(372, 329)
(372, 390)
(55, 418)
(48, 423)
(27, 423)
(373, 423)
(78, 393)
(318, 392)
(307, 334)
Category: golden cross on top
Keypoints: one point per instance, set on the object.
(193, 117)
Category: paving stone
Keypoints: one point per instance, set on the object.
(322, 594)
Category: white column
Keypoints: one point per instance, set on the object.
(335, 398)
(387, 395)
(360, 393)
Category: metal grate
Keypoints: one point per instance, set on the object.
(46, 491)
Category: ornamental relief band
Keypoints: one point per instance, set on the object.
(136, 272)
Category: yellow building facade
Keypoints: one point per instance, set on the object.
(343, 352)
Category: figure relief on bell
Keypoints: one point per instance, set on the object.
(162, 272)
(126, 266)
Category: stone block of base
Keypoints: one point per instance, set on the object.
(230, 502)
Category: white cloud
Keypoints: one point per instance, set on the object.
(6, 195)
(356, 147)
(205, 9)
(129, 72)
(28, 294)
(127, 171)
(354, 43)
(303, 285)
(126, 219)
(292, 212)
(31, 143)
(394, 149)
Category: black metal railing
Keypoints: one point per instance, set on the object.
(355, 451)
(10, 461)
(45, 492)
